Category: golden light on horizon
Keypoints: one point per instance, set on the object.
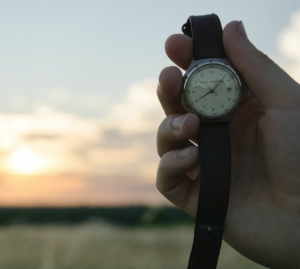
(25, 161)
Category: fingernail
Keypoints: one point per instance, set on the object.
(242, 31)
(158, 87)
(184, 153)
(193, 174)
(178, 122)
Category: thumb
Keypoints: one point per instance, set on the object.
(268, 83)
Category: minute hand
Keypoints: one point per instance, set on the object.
(219, 82)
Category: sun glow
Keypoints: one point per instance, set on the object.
(25, 161)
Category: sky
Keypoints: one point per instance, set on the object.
(78, 105)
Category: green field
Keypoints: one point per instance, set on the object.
(97, 245)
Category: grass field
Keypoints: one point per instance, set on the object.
(102, 246)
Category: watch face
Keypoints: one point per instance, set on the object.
(212, 90)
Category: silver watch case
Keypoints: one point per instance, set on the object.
(192, 68)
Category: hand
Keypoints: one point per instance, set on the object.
(263, 217)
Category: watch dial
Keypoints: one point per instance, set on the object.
(212, 90)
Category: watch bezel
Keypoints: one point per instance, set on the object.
(195, 65)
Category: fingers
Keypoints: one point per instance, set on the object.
(168, 90)
(173, 182)
(175, 131)
(269, 84)
(179, 161)
(179, 49)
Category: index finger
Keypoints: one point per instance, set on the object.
(179, 49)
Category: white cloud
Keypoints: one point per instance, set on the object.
(140, 112)
(46, 120)
(289, 46)
(51, 134)
(59, 95)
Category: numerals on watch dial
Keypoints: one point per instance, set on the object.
(212, 90)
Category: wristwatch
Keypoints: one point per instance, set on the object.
(212, 89)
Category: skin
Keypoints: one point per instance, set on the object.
(263, 217)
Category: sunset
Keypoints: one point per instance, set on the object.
(25, 161)
(79, 110)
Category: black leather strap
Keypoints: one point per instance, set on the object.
(215, 167)
(214, 155)
(206, 32)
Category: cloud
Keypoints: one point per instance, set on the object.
(49, 133)
(45, 119)
(140, 112)
(92, 156)
(87, 103)
(289, 44)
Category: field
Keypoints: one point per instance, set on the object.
(96, 245)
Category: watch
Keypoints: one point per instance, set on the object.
(212, 89)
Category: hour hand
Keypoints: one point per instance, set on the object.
(205, 94)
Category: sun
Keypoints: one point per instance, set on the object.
(25, 161)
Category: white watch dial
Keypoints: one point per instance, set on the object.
(213, 90)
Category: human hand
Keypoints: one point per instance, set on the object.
(263, 216)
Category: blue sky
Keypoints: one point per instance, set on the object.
(77, 90)
(101, 47)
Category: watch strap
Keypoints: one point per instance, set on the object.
(215, 174)
(206, 32)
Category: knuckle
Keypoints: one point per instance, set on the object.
(165, 163)
(165, 127)
(166, 135)
(158, 184)
(164, 168)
